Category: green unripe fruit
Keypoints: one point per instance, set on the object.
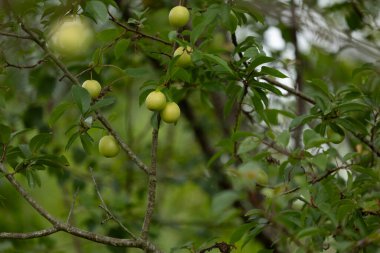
(93, 87)
(108, 146)
(155, 101)
(179, 16)
(171, 113)
(184, 59)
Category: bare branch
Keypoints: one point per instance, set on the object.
(151, 185)
(72, 206)
(30, 235)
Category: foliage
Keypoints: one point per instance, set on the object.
(270, 154)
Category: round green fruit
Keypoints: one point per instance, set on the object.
(72, 36)
(155, 101)
(108, 146)
(93, 87)
(171, 113)
(184, 59)
(179, 16)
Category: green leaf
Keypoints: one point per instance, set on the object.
(272, 72)
(259, 60)
(301, 120)
(105, 102)
(97, 10)
(266, 86)
(81, 97)
(283, 138)
(352, 125)
(223, 201)
(240, 232)
(137, 72)
(312, 139)
(200, 23)
(248, 144)
(219, 61)
(87, 142)
(108, 35)
(58, 111)
(310, 231)
(40, 140)
(71, 140)
(5, 133)
(121, 47)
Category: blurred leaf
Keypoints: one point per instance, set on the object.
(312, 139)
(97, 10)
(5, 133)
(219, 61)
(121, 47)
(40, 140)
(223, 201)
(240, 232)
(104, 102)
(58, 111)
(81, 97)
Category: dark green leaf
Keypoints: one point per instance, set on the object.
(5, 133)
(58, 111)
(40, 140)
(97, 10)
(121, 47)
(81, 97)
(104, 102)
(272, 72)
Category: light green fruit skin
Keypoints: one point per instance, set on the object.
(93, 87)
(72, 37)
(155, 101)
(171, 113)
(179, 16)
(108, 146)
(185, 56)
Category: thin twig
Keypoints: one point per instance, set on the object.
(319, 179)
(113, 19)
(72, 206)
(29, 235)
(7, 34)
(106, 209)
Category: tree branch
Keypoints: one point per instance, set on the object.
(59, 226)
(151, 185)
(30, 235)
(15, 36)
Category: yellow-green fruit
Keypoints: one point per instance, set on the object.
(108, 146)
(93, 87)
(171, 113)
(155, 101)
(334, 137)
(179, 16)
(72, 36)
(184, 59)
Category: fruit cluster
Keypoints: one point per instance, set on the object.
(64, 36)
(169, 111)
